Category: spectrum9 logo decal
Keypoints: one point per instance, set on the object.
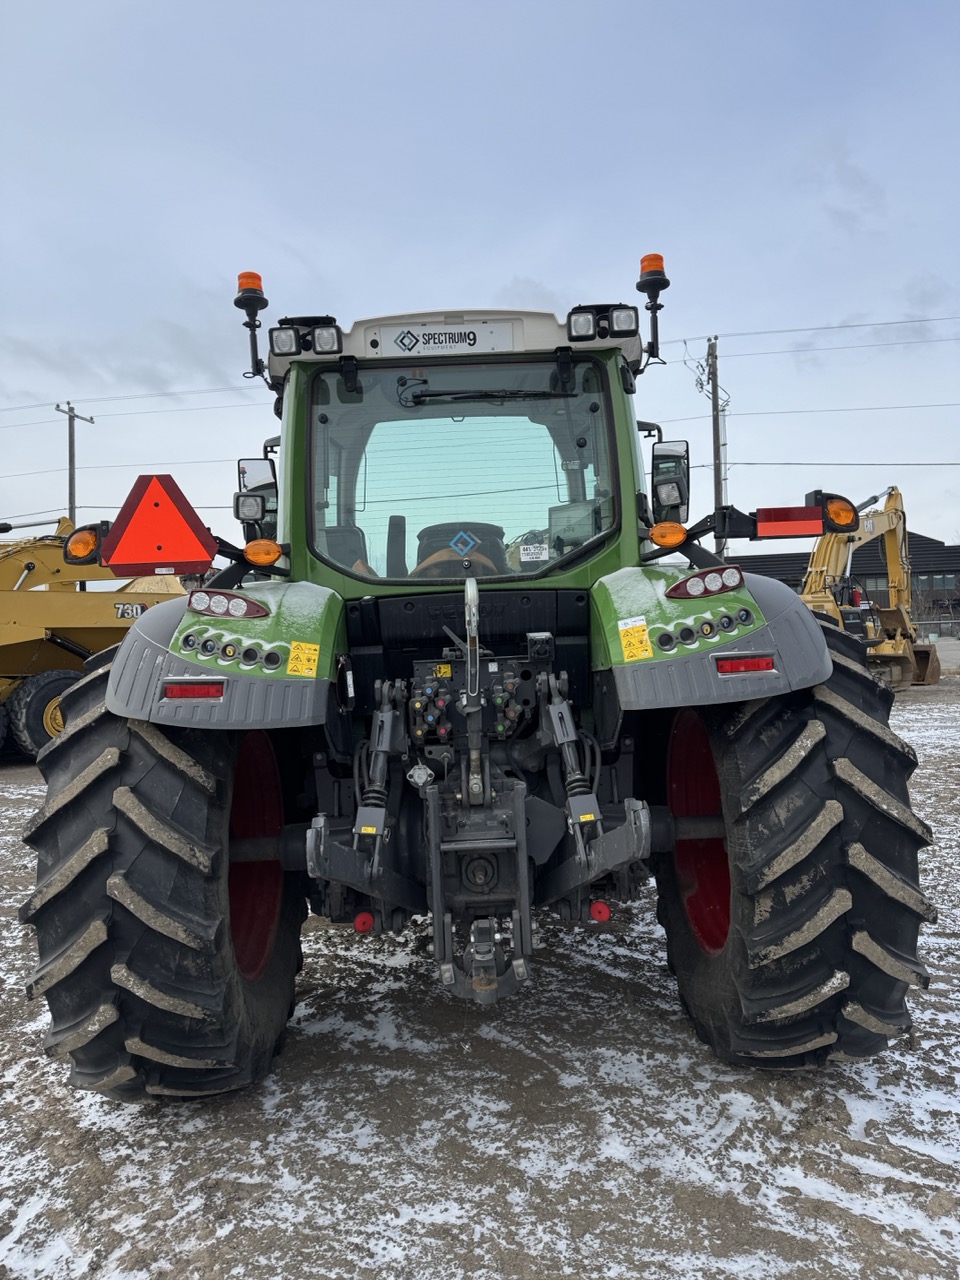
(408, 341)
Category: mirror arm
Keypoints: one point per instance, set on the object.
(699, 557)
(732, 523)
(726, 522)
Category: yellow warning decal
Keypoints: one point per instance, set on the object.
(368, 831)
(635, 639)
(443, 670)
(303, 659)
(588, 817)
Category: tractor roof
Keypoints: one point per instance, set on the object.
(428, 334)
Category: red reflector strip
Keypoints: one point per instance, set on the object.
(789, 522)
(733, 666)
(194, 690)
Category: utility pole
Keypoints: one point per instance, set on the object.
(719, 438)
(72, 416)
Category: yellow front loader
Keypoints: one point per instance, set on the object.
(50, 622)
(886, 627)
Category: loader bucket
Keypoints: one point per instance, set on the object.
(928, 664)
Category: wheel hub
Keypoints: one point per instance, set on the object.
(255, 888)
(53, 717)
(703, 870)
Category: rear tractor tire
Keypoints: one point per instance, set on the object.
(168, 968)
(792, 914)
(34, 708)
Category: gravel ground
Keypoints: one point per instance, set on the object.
(577, 1130)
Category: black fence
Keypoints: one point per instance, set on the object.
(936, 627)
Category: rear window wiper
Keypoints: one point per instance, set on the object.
(418, 397)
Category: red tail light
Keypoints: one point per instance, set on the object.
(789, 522)
(738, 666)
(193, 689)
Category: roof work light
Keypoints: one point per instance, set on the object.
(581, 325)
(602, 320)
(285, 341)
(327, 340)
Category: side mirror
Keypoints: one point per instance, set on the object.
(255, 503)
(256, 474)
(670, 481)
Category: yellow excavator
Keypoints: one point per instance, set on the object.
(829, 588)
(50, 623)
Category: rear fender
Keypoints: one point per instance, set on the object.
(632, 613)
(276, 669)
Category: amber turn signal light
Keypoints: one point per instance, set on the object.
(82, 543)
(838, 513)
(842, 512)
(82, 546)
(262, 551)
(668, 534)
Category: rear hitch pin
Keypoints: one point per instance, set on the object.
(471, 594)
(472, 704)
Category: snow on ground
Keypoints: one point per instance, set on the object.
(577, 1130)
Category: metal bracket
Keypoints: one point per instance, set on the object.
(482, 973)
(608, 852)
(350, 374)
(328, 859)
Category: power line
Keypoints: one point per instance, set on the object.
(139, 413)
(119, 466)
(197, 408)
(137, 395)
(824, 462)
(197, 506)
(861, 408)
(814, 328)
(809, 351)
(864, 324)
(40, 422)
(103, 506)
(23, 514)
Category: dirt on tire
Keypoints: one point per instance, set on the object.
(168, 969)
(810, 957)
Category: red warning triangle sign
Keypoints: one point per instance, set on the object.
(157, 531)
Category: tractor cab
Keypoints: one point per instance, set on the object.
(491, 469)
(437, 447)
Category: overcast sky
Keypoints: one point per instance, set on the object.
(795, 163)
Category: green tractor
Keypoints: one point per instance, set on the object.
(470, 665)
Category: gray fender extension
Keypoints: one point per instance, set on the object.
(144, 662)
(791, 637)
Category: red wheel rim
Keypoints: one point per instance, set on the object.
(256, 888)
(703, 871)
